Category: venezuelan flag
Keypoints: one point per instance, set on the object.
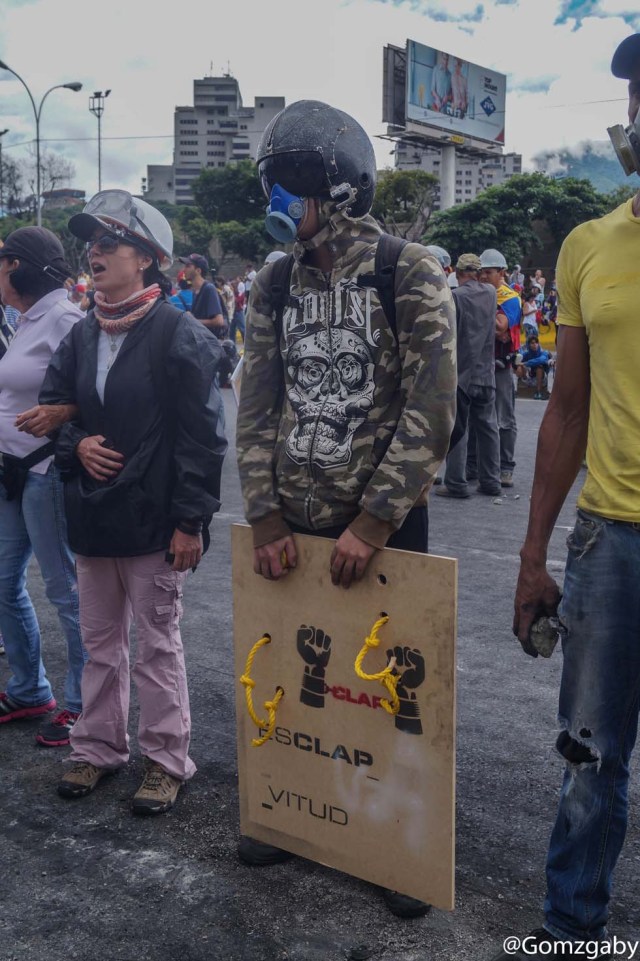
(511, 306)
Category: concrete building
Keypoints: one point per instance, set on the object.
(217, 129)
(472, 175)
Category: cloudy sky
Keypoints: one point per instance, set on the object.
(556, 54)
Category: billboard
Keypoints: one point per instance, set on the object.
(454, 95)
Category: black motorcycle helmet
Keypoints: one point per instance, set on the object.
(314, 150)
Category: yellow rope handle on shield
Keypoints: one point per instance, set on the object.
(386, 677)
(270, 706)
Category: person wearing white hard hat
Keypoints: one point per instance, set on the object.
(444, 257)
(272, 256)
(142, 462)
(508, 318)
(594, 408)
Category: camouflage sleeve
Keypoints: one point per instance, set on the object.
(259, 412)
(426, 326)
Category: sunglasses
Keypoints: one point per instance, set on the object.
(109, 243)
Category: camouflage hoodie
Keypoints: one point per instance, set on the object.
(340, 422)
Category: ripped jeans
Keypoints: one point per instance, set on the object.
(114, 591)
(598, 715)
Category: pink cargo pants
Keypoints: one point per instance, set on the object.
(114, 591)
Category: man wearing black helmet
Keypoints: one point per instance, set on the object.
(348, 391)
(594, 406)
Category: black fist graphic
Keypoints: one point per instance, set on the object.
(314, 647)
(410, 667)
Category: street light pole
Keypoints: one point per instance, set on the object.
(96, 106)
(37, 112)
(2, 133)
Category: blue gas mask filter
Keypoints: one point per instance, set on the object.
(284, 213)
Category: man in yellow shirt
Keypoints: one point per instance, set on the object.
(595, 405)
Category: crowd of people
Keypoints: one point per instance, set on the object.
(345, 417)
(219, 303)
(498, 347)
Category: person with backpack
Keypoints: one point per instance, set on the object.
(33, 270)
(349, 381)
(141, 462)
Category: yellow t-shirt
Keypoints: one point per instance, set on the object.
(598, 278)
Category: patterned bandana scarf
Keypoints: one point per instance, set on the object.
(120, 317)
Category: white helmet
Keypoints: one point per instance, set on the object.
(273, 256)
(129, 215)
(493, 258)
(441, 255)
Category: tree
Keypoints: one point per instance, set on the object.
(249, 240)
(229, 193)
(11, 185)
(57, 221)
(55, 171)
(510, 216)
(403, 201)
(619, 196)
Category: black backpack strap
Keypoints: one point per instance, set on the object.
(163, 328)
(384, 279)
(280, 284)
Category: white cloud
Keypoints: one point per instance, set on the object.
(297, 48)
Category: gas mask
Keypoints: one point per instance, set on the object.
(284, 213)
(626, 143)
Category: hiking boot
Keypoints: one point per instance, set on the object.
(403, 906)
(158, 791)
(81, 779)
(506, 478)
(446, 492)
(55, 733)
(258, 855)
(489, 493)
(541, 944)
(10, 711)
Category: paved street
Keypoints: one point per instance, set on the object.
(86, 880)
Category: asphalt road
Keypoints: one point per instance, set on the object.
(87, 880)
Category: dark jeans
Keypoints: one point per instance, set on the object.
(598, 715)
(412, 536)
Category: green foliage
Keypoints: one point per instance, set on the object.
(619, 196)
(248, 240)
(56, 221)
(230, 193)
(400, 194)
(403, 200)
(503, 216)
(229, 206)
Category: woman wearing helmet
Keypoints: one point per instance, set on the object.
(142, 464)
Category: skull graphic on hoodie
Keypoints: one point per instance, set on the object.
(331, 393)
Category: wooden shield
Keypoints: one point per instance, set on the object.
(341, 781)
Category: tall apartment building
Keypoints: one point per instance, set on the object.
(214, 131)
(472, 175)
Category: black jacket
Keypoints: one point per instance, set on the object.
(162, 411)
